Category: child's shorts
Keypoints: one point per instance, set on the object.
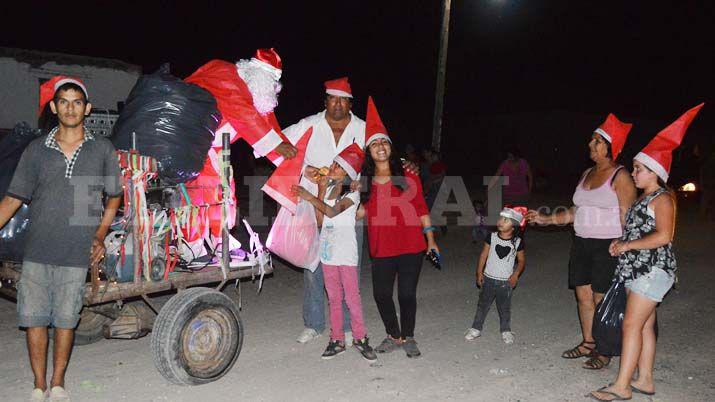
(50, 295)
(653, 285)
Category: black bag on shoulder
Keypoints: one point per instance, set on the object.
(608, 320)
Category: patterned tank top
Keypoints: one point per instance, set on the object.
(639, 223)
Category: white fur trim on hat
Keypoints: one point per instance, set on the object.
(345, 165)
(337, 92)
(652, 164)
(511, 214)
(73, 81)
(603, 134)
(377, 137)
(267, 67)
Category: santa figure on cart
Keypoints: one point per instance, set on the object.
(246, 94)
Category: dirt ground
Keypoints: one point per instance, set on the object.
(273, 367)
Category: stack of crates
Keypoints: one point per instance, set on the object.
(101, 122)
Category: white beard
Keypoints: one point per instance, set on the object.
(263, 87)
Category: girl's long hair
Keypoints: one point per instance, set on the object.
(397, 173)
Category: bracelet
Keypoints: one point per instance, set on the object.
(429, 229)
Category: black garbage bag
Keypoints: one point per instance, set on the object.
(174, 122)
(608, 320)
(12, 235)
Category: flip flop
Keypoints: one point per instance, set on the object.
(615, 396)
(640, 391)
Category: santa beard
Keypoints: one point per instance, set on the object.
(263, 87)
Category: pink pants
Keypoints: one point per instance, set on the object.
(339, 278)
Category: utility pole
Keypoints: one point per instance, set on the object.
(441, 75)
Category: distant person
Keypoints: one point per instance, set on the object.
(521, 181)
(646, 262)
(479, 230)
(412, 155)
(58, 251)
(336, 206)
(434, 176)
(602, 197)
(500, 265)
(399, 232)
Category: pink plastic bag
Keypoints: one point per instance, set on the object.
(295, 238)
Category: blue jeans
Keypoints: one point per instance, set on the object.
(314, 292)
(501, 291)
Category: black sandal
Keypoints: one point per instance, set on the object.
(595, 362)
(576, 352)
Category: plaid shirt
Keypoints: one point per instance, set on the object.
(51, 142)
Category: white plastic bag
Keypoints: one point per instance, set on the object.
(295, 238)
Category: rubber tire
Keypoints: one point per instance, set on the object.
(167, 335)
(90, 328)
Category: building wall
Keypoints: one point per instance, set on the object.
(20, 87)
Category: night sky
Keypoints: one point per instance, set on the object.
(506, 57)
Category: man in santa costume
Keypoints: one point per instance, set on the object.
(333, 130)
(246, 94)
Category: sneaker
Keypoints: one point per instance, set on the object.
(58, 394)
(472, 334)
(410, 347)
(348, 337)
(507, 337)
(388, 345)
(365, 349)
(38, 395)
(307, 335)
(334, 348)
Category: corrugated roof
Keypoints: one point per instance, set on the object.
(37, 58)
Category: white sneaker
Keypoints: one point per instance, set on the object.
(507, 337)
(38, 395)
(307, 335)
(348, 337)
(472, 334)
(58, 394)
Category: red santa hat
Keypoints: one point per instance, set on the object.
(616, 132)
(48, 89)
(658, 154)
(351, 159)
(339, 87)
(268, 60)
(374, 129)
(515, 213)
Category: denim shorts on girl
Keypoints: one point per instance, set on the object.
(50, 295)
(653, 285)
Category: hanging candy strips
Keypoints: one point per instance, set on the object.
(154, 224)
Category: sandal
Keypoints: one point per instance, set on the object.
(640, 391)
(615, 396)
(576, 352)
(595, 362)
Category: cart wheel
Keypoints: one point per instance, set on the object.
(197, 337)
(90, 328)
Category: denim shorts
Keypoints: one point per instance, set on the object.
(50, 295)
(653, 285)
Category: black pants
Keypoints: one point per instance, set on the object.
(501, 291)
(406, 268)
